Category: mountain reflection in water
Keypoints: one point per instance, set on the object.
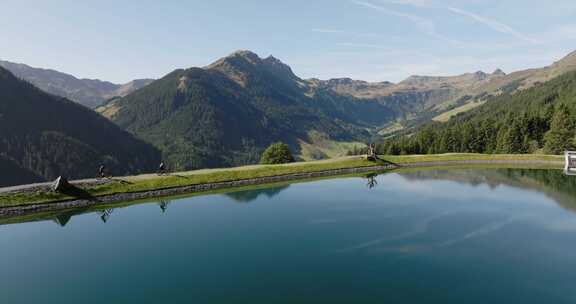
(554, 183)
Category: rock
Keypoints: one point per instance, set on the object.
(60, 184)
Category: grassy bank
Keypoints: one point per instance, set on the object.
(408, 159)
(153, 182)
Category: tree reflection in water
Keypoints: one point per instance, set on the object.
(247, 196)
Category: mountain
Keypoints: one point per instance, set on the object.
(416, 99)
(88, 92)
(532, 120)
(43, 136)
(228, 112)
(419, 99)
(510, 83)
(14, 174)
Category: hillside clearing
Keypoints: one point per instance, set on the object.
(444, 117)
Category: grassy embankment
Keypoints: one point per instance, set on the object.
(153, 182)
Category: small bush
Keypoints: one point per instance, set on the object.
(277, 153)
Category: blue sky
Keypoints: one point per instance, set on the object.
(374, 40)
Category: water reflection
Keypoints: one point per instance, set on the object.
(372, 182)
(247, 196)
(443, 234)
(105, 215)
(554, 183)
(63, 219)
(164, 205)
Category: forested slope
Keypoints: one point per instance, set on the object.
(46, 136)
(539, 119)
(227, 113)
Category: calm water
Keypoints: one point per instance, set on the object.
(461, 236)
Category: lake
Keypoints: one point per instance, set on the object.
(431, 236)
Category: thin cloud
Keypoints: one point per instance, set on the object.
(350, 33)
(417, 3)
(364, 45)
(493, 24)
(424, 25)
(328, 31)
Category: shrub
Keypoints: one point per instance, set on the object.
(277, 153)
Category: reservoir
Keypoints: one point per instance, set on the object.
(428, 236)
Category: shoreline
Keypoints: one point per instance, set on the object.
(104, 200)
(198, 188)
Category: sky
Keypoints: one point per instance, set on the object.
(373, 40)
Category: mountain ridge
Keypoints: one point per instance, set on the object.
(43, 136)
(88, 92)
(231, 101)
(227, 112)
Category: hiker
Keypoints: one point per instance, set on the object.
(102, 171)
(162, 169)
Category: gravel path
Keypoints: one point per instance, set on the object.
(45, 185)
(95, 181)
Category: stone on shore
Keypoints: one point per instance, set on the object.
(61, 184)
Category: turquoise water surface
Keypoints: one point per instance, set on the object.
(453, 236)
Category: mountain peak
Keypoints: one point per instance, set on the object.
(245, 54)
(243, 64)
(272, 59)
(276, 66)
(236, 59)
(499, 72)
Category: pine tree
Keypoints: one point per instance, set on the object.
(560, 136)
